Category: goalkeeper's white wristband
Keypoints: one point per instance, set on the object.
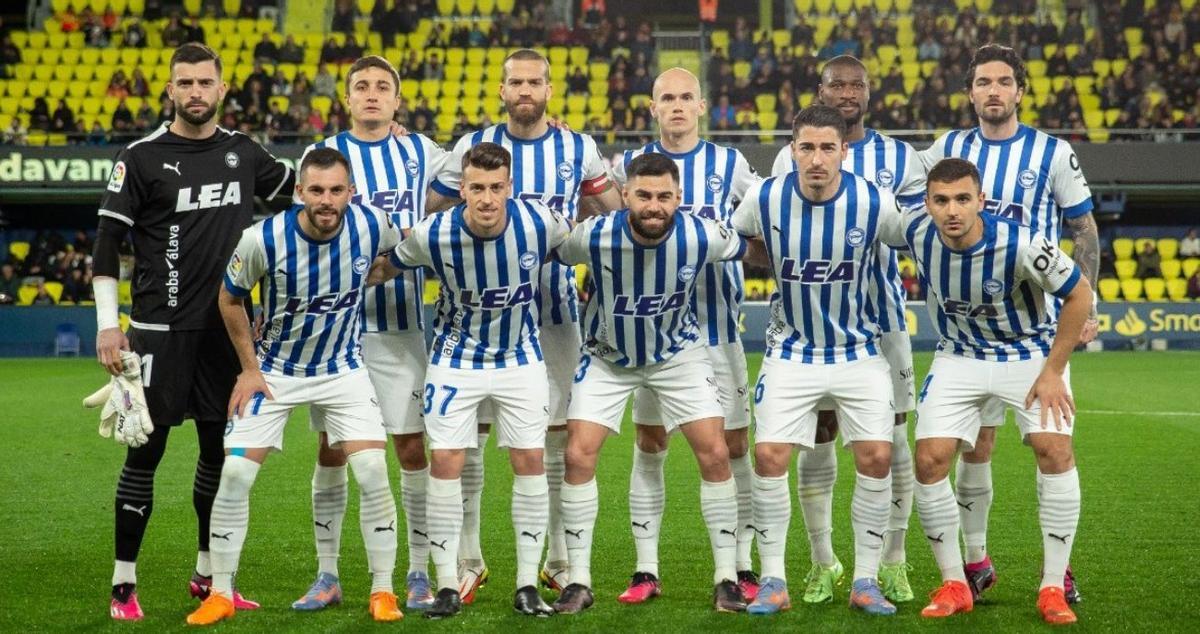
(105, 290)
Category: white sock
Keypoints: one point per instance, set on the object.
(376, 515)
(718, 505)
(555, 461)
(125, 572)
(743, 478)
(816, 471)
(580, 504)
(869, 517)
(203, 563)
(647, 498)
(938, 512)
(973, 488)
(444, 518)
(772, 513)
(902, 497)
(1058, 510)
(472, 492)
(530, 514)
(412, 495)
(230, 517)
(329, 492)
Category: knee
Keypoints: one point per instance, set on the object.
(526, 462)
(931, 467)
(770, 460)
(579, 456)
(874, 461)
(1055, 458)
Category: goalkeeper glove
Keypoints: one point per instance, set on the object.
(124, 415)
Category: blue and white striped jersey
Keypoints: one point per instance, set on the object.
(312, 290)
(892, 165)
(640, 309)
(486, 313)
(713, 178)
(394, 175)
(820, 256)
(557, 169)
(1032, 177)
(989, 301)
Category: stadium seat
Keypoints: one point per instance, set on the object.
(765, 103)
(1132, 290)
(1189, 266)
(1155, 289)
(1067, 245)
(1125, 269)
(597, 103)
(1110, 289)
(1177, 290)
(25, 295)
(19, 250)
(125, 293)
(1140, 243)
(755, 288)
(1171, 269)
(55, 290)
(1168, 248)
(1123, 248)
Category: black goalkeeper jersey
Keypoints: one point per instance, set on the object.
(187, 202)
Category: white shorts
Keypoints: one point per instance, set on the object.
(519, 395)
(561, 345)
(684, 384)
(729, 366)
(345, 402)
(956, 389)
(992, 412)
(788, 395)
(396, 364)
(897, 350)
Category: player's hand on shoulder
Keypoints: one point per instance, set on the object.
(1050, 391)
(398, 130)
(558, 123)
(249, 383)
(109, 344)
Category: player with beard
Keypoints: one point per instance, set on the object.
(1034, 179)
(892, 165)
(185, 192)
(564, 170)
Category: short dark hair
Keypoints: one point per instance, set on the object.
(195, 53)
(487, 156)
(843, 60)
(953, 169)
(652, 164)
(997, 53)
(524, 55)
(819, 116)
(373, 61)
(322, 159)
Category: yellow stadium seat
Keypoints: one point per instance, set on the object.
(767, 121)
(1168, 248)
(910, 70)
(1131, 289)
(1155, 289)
(1189, 266)
(38, 39)
(19, 250)
(408, 89)
(765, 102)
(471, 106)
(598, 71)
(55, 290)
(124, 293)
(36, 88)
(576, 104)
(597, 103)
(10, 105)
(1140, 243)
(1177, 290)
(279, 100)
(756, 288)
(1171, 269)
(741, 70)
(91, 105)
(1125, 269)
(15, 89)
(1067, 245)
(1123, 248)
(430, 88)
(495, 56)
(1110, 289)
(465, 7)
(558, 56)
(25, 295)
(56, 90)
(447, 105)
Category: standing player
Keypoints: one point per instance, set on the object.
(820, 226)
(642, 333)
(186, 191)
(391, 173)
(563, 170)
(1034, 179)
(988, 278)
(892, 165)
(313, 264)
(713, 179)
(488, 253)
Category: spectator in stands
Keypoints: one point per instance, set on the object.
(1083, 61)
(1189, 246)
(195, 32)
(77, 287)
(135, 34)
(929, 50)
(68, 22)
(43, 297)
(118, 85)
(1058, 64)
(462, 126)
(723, 115)
(63, 120)
(741, 46)
(16, 133)
(385, 20)
(290, 52)
(1108, 263)
(577, 82)
(643, 41)
(593, 11)
(331, 53)
(912, 285)
(423, 111)
(1073, 31)
(559, 35)
(166, 110)
(138, 85)
(433, 68)
(642, 83)
(39, 117)
(265, 50)
(1193, 285)
(619, 109)
(94, 33)
(802, 32)
(325, 84)
(351, 51)
(280, 86)
(343, 17)
(421, 123)
(1149, 261)
(301, 93)
(10, 283)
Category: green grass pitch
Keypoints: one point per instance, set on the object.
(1136, 558)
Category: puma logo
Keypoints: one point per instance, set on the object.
(173, 168)
(936, 540)
(762, 533)
(874, 534)
(140, 510)
(1061, 538)
(325, 526)
(533, 536)
(383, 529)
(441, 545)
(967, 506)
(896, 503)
(219, 536)
(732, 533)
(419, 533)
(644, 525)
(576, 534)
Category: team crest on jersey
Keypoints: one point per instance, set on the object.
(231, 159)
(993, 287)
(687, 273)
(117, 180)
(412, 166)
(1027, 178)
(360, 264)
(235, 265)
(529, 260)
(855, 237)
(885, 178)
(566, 171)
(715, 183)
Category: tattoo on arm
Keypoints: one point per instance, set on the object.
(1087, 246)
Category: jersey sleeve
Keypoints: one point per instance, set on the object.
(744, 177)
(595, 169)
(1070, 187)
(747, 218)
(934, 153)
(247, 264)
(272, 177)
(911, 190)
(723, 243)
(783, 162)
(389, 233)
(413, 251)
(436, 158)
(125, 193)
(574, 249)
(1044, 264)
(890, 230)
(618, 171)
(449, 178)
